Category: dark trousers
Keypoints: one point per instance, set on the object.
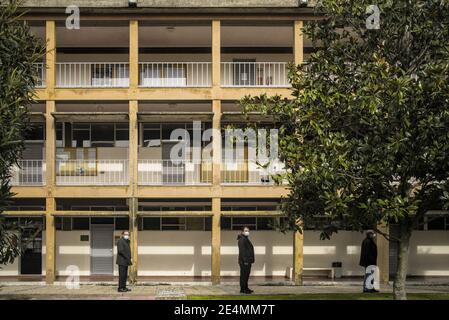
(122, 276)
(245, 270)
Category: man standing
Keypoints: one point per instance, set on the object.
(246, 258)
(123, 260)
(368, 257)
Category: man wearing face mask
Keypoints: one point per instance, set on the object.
(123, 260)
(368, 257)
(246, 259)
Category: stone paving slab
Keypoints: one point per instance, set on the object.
(146, 292)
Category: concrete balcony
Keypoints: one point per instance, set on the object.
(92, 172)
(28, 173)
(92, 75)
(175, 74)
(254, 74)
(249, 173)
(40, 75)
(172, 172)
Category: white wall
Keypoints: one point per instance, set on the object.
(429, 253)
(187, 253)
(70, 250)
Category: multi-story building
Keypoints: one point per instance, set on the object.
(97, 161)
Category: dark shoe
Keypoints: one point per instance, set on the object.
(249, 290)
(127, 289)
(122, 290)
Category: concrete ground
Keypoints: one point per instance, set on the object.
(150, 291)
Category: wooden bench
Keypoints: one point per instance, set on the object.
(330, 272)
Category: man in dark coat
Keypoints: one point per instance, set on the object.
(368, 257)
(246, 259)
(123, 260)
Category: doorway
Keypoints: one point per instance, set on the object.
(31, 240)
(102, 245)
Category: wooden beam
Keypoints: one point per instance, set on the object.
(216, 241)
(383, 257)
(216, 53)
(133, 54)
(23, 213)
(175, 213)
(74, 213)
(253, 213)
(91, 116)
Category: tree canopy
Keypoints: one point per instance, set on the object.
(19, 51)
(365, 137)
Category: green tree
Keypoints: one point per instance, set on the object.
(365, 138)
(19, 50)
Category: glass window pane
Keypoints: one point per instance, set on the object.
(151, 224)
(102, 133)
(80, 223)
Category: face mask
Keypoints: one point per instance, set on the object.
(246, 233)
(126, 237)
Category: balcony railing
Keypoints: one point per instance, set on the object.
(40, 75)
(92, 172)
(254, 74)
(168, 172)
(28, 173)
(249, 172)
(175, 74)
(92, 75)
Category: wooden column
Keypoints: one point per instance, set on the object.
(216, 53)
(133, 201)
(50, 58)
(216, 241)
(216, 144)
(298, 42)
(133, 54)
(298, 256)
(383, 255)
(298, 238)
(50, 231)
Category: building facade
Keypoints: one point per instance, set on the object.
(97, 161)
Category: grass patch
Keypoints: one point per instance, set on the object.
(325, 296)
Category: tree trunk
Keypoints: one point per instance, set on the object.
(403, 253)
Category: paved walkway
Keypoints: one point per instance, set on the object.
(151, 292)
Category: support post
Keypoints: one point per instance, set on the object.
(50, 58)
(216, 53)
(298, 256)
(298, 42)
(50, 231)
(133, 54)
(383, 256)
(133, 201)
(216, 144)
(216, 240)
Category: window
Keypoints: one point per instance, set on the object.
(254, 223)
(81, 135)
(438, 223)
(121, 224)
(80, 223)
(36, 132)
(151, 224)
(102, 135)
